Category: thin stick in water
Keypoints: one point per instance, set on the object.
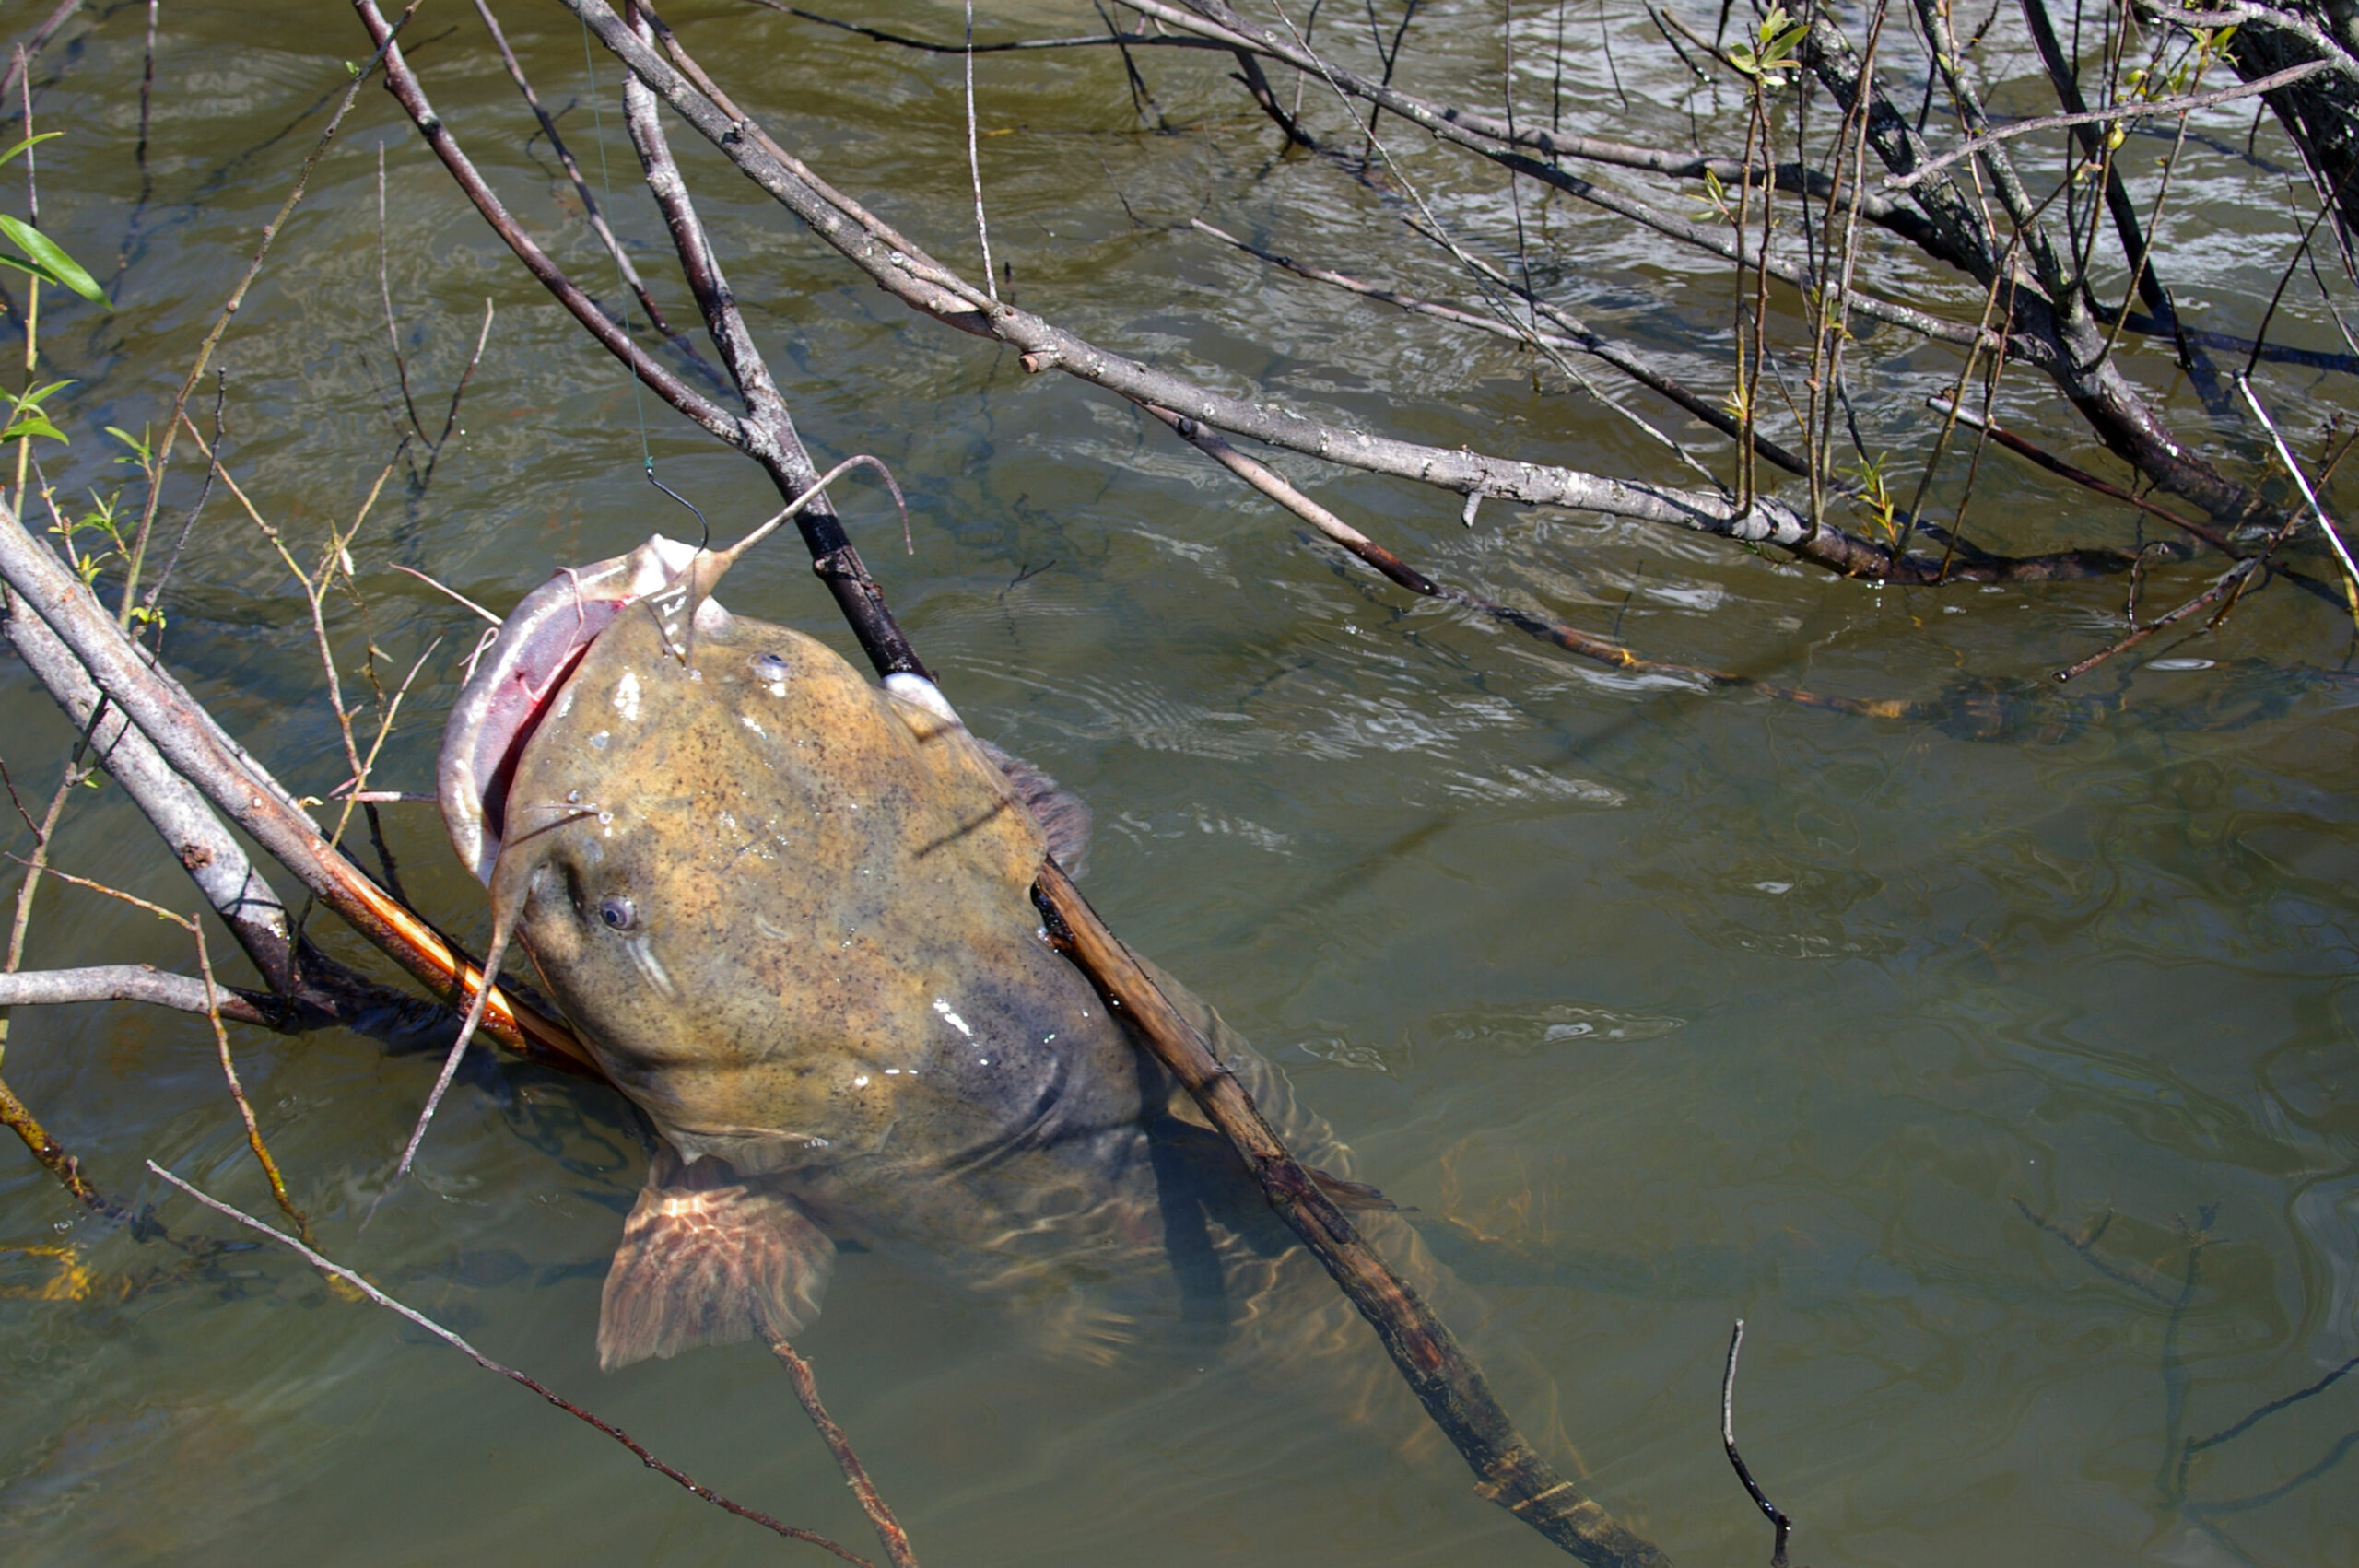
(322, 1263)
(1783, 1526)
(2326, 524)
(220, 1037)
(975, 162)
(807, 1391)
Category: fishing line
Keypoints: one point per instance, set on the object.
(622, 287)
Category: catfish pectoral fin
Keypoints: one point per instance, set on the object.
(708, 1258)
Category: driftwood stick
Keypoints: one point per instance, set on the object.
(1572, 639)
(357, 1283)
(1438, 1370)
(896, 1539)
(55, 1157)
(213, 859)
(128, 982)
(188, 743)
(1620, 356)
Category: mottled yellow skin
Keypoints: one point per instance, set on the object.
(831, 952)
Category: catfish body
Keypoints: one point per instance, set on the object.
(793, 911)
(790, 913)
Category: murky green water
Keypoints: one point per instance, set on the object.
(1695, 1005)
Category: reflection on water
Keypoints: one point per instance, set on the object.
(1996, 1065)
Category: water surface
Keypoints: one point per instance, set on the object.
(1689, 1005)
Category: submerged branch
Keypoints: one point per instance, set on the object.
(1547, 630)
(889, 1533)
(357, 1282)
(1437, 1368)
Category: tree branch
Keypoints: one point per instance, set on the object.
(924, 283)
(187, 742)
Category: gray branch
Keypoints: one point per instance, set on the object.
(213, 858)
(123, 982)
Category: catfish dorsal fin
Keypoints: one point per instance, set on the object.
(709, 1259)
(1063, 816)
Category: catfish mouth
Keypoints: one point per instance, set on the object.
(531, 656)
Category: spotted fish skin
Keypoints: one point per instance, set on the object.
(796, 910)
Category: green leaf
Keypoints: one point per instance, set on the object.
(33, 424)
(1785, 43)
(28, 141)
(141, 456)
(50, 261)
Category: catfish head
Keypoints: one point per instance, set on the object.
(530, 655)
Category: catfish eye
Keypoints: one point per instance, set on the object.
(620, 914)
(770, 669)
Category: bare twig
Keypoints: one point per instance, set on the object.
(54, 1156)
(357, 1282)
(1777, 1520)
(581, 186)
(21, 55)
(896, 1541)
(450, 414)
(237, 1090)
(2309, 497)
(73, 775)
(204, 494)
(385, 295)
(2227, 583)
(1983, 143)
(975, 165)
(1081, 41)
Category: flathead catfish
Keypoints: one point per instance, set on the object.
(790, 913)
